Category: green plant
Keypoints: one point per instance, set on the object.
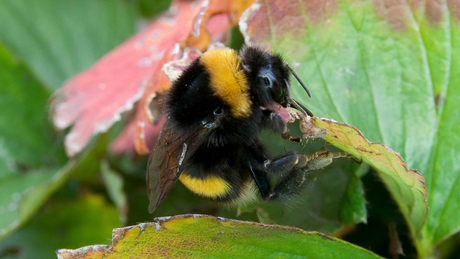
(391, 71)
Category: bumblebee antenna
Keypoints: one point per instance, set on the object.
(301, 108)
(298, 79)
(296, 104)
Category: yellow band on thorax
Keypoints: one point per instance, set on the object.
(212, 186)
(228, 81)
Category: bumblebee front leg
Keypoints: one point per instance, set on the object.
(279, 126)
(292, 167)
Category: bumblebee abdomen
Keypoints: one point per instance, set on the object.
(219, 189)
(211, 186)
(219, 173)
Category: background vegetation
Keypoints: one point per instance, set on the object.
(406, 97)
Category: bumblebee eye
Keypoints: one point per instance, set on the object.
(265, 81)
(271, 84)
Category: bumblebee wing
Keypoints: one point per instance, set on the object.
(167, 157)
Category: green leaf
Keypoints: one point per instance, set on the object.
(206, 236)
(390, 69)
(114, 184)
(443, 177)
(353, 207)
(60, 38)
(29, 160)
(25, 135)
(407, 186)
(66, 223)
(22, 195)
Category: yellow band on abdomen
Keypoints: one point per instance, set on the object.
(228, 81)
(211, 186)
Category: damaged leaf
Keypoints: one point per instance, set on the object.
(390, 69)
(132, 73)
(206, 236)
(406, 185)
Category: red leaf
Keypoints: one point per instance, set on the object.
(277, 19)
(95, 99)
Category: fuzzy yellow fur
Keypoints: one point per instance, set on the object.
(228, 81)
(211, 187)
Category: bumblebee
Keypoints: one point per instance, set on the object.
(210, 141)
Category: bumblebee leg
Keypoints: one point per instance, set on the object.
(279, 126)
(296, 166)
(289, 186)
(285, 163)
(290, 167)
(323, 158)
(261, 180)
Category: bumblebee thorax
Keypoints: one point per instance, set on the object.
(228, 80)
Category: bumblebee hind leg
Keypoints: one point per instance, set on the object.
(292, 168)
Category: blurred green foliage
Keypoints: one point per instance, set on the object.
(48, 202)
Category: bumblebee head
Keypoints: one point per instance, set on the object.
(267, 76)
